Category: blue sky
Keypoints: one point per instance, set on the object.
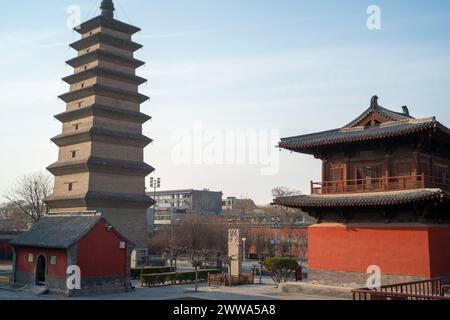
(297, 66)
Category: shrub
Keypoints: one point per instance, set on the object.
(280, 267)
(136, 273)
(149, 280)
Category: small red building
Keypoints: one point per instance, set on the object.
(43, 254)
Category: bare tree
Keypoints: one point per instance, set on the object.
(28, 194)
(12, 219)
(278, 192)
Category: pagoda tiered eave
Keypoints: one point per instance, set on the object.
(101, 38)
(121, 167)
(101, 21)
(105, 91)
(94, 199)
(104, 111)
(104, 72)
(102, 55)
(104, 135)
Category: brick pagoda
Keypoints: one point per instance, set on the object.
(101, 165)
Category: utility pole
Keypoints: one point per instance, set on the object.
(155, 183)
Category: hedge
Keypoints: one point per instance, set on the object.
(149, 280)
(5, 279)
(136, 273)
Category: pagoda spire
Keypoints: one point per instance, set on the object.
(107, 8)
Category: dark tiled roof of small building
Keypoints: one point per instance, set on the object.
(361, 134)
(57, 232)
(364, 199)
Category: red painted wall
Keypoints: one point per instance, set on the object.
(99, 254)
(23, 265)
(439, 239)
(413, 250)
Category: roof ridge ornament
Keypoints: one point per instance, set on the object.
(406, 110)
(108, 9)
(374, 102)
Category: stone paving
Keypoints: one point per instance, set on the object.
(266, 291)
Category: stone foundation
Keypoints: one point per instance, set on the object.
(89, 286)
(355, 279)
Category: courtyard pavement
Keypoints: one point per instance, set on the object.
(266, 291)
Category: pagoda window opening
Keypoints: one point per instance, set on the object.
(74, 154)
(80, 104)
(70, 186)
(82, 85)
(76, 126)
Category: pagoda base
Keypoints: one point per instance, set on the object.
(340, 254)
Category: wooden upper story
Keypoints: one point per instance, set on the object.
(380, 151)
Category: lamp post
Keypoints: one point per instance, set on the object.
(155, 183)
(243, 249)
(276, 224)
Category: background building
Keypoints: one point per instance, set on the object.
(173, 205)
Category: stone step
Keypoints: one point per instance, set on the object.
(312, 289)
(36, 290)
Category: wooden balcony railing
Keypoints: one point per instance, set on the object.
(420, 290)
(379, 184)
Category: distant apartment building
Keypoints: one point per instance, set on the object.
(235, 204)
(173, 205)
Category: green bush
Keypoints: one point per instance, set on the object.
(5, 280)
(149, 280)
(280, 267)
(136, 273)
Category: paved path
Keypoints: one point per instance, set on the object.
(267, 291)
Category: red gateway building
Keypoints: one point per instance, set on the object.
(384, 199)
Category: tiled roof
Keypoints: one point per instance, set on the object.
(392, 115)
(100, 165)
(105, 22)
(396, 125)
(100, 54)
(57, 232)
(104, 111)
(360, 134)
(364, 199)
(105, 39)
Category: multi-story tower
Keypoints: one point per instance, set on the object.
(383, 202)
(101, 148)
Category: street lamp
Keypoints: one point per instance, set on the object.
(276, 224)
(243, 246)
(155, 183)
